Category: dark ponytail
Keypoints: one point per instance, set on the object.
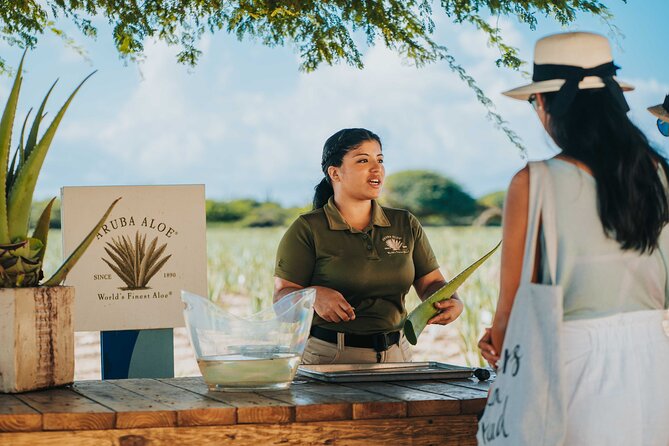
(334, 150)
(323, 192)
(631, 198)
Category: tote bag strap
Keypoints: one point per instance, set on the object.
(663, 178)
(540, 221)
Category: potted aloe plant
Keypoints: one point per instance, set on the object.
(36, 328)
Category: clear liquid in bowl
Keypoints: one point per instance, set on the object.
(251, 370)
(261, 351)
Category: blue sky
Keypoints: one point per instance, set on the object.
(246, 123)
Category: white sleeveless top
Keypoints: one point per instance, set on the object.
(598, 278)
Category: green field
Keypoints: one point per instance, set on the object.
(240, 262)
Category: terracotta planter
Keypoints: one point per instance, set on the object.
(36, 338)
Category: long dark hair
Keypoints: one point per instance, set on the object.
(631, 198)
(334, 150)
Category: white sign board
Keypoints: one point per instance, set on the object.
(152, 246)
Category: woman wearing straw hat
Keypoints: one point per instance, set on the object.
(661, 112)
(611, 209)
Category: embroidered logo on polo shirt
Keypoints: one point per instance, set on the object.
(395, 245)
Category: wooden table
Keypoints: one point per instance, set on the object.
(181, 411)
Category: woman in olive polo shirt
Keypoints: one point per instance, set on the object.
(360, 257)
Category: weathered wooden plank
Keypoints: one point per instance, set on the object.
(312, 405)
(251, 407)
(418, 431)
(473, 405)
(17, 416)
(64, 409)
(192, 409)
(419, 403)
(132, 410)
(472, 401)
(365, 404)
(471, 383)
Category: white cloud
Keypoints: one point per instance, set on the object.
(173, 126)
(251, 138)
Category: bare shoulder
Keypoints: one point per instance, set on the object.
(521, 178)
(519, 187)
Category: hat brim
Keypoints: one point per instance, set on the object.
(523, 93)
(659, 112)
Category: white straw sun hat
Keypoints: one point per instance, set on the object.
(569, 62)
(661, 111)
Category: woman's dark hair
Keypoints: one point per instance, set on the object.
(631, 197)
(334, 150)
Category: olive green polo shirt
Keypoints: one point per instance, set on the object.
(373, 268)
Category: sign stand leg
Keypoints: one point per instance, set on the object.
(137, 353)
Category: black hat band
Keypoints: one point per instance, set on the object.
(573, 76)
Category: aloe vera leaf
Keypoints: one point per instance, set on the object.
(6, 124)
(156, 268)
(132, 252)
(417, 319)
(41, 232)
(155, 260)
(122, 261)
(10, 173)
(127, 280)
(66, 267)
(34, 129)
(116, 259)
(125, 258)
(127, 248)
(13, 168)
(21, 147)
(136, 258)
(21, 195)
(115, 251)
(129, 253)
(142, 248)
(28, 249)
(121, 249)
(157, 253)
(146, 261)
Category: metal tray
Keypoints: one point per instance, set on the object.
(388, 371)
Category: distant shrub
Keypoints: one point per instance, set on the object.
(431, 196)
(494, 199)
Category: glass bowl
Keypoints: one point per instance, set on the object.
(258, 352)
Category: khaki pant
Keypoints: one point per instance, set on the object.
(318, 351)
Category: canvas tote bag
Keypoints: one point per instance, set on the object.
(526, 405)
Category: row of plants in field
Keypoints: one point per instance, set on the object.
(435, 199)
(241, 265)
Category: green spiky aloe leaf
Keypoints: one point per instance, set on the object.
(18, 155)
(19, 264)
(41, 232)
(6, 124)
(34, 130)
(66, 267)
(21, 194)
(417, 319)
